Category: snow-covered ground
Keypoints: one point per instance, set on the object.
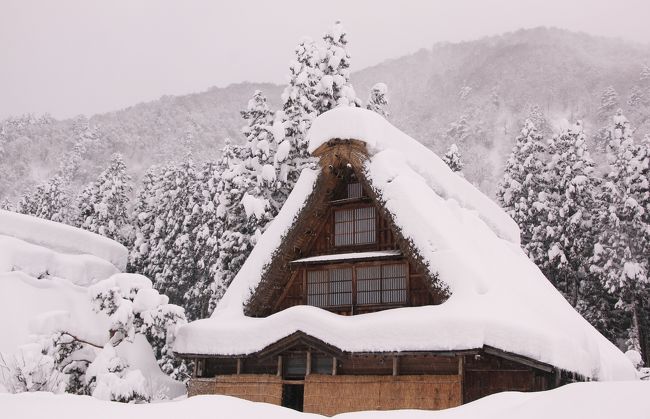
(582, 400)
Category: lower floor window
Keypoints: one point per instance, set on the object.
(375, 284)
(382, 284)
(328, 288)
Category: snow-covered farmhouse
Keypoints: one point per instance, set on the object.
(387, 281)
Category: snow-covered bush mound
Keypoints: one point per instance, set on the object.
(62, 238)
(69, 320)
(583, 400)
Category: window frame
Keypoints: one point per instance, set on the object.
(354, 226)
(355, 292)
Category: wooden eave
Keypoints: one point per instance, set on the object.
(300, 338)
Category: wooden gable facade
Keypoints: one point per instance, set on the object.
(345, 254)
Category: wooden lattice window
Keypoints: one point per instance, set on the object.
(355, 226)
(381, 284)
(329, 288)
(355, 190)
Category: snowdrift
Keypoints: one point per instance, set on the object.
(582, 400)
(499, 297)
(45, 271)
(62, 238)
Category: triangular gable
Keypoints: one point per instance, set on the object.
(339, 159)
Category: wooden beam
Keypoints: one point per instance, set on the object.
(395, 365)
(287, 287)
(461, 377)
(279, 372)
(308, 366)
(518, 358)
(334, 365)
(239, 365)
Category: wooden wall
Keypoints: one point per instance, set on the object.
(254, 387)
(330, 395)
(487, 374)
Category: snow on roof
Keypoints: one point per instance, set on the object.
(62, 238)
(498, 296)
(348, 256)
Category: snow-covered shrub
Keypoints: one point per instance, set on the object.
(30, 370)
(101, 368)
(109, 378)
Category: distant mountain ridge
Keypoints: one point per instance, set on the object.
(474, 93)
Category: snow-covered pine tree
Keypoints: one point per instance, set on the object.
(143, 222)
(49, 200)
(236, 241)
(620, 254)
(645, 74)
(6, 205)
(608, 103)
(298, 111)
(259, 154)
(102, 206)
(167, 216)
(335, 88)
(378, 100)
(567, 230)
(521, 191)
(537, 117)
(207, 234)
(452, 159)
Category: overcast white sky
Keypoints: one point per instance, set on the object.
(68, 57)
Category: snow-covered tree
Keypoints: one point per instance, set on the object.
(378, 100)
(567, 231)
(335, 88)
(133, 308)
(49, 200)
(30, 370)
(521, 192)
(608, 102)
(102, 206)
(298, 111)
(452, 158)
(237, 239)
(259, 154)
(167, 216)
(620, 253)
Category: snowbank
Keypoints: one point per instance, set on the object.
(39, 261)
(499, 297)
(30, 306)
(581, 400)
(62, 238)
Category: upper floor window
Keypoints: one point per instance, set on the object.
(355, 226)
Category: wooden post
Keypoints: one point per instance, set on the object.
(238, 366)
(279, 366)
(461, 376)
(395, 365)
(196, 367)
(308, 366)
(334, 365)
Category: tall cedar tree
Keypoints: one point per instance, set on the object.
(520, 192)
(378, 100)
(621, 253)
(452, 158)
(102, 206)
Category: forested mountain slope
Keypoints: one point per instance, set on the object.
(473, 93)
